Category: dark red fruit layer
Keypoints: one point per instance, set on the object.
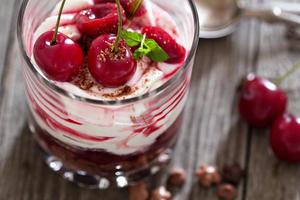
(61, 61)
(102, 162)
(285, 138)
(261, 101)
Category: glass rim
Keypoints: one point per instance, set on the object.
(73, 96)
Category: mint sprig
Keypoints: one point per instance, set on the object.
(148, 47)
(157, 53)
(132, 38)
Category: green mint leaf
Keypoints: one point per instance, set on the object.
(147, 47)
(156, 54)
(140, 52)
(132, 38)
(137, 55)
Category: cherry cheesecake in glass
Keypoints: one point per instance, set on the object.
(106, 83)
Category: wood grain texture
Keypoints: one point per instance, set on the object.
(269, 178)
(7, 10)
(211, 134)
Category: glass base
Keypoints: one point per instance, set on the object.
(120, 180)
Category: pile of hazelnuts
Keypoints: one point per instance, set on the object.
(226, 182)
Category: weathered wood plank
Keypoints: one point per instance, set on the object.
(7, 10)
(222, 139)
(269, 178)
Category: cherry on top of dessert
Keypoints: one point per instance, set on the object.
(111, 61)
(57, 55)
(61, 61)
(99, 19)
(109, 68)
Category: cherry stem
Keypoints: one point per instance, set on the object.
(281, 78)
(137, 5)
(116, 44)
(53, 42)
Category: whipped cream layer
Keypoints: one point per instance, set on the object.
(121, 130)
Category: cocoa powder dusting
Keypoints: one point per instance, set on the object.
(150, 65)
(126, 90)
(133, 119)
(107, 53)
(84, 81)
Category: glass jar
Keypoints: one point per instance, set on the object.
(100, 143)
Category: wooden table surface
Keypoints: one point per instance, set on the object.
(212, 132)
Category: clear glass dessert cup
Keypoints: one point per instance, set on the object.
(97, 143)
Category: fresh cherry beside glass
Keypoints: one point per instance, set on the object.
(285, 138)
(261, 101)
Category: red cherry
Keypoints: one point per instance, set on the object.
(261, 101)
(175, 51)
(128, 6)
(108, 68)
(285, 138)
(61, 61)
(100, 19)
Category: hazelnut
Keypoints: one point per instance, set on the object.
(233, 173)
(160, 194)
(208, 175)
(177, 177)
(138, 192)
(227, 191)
